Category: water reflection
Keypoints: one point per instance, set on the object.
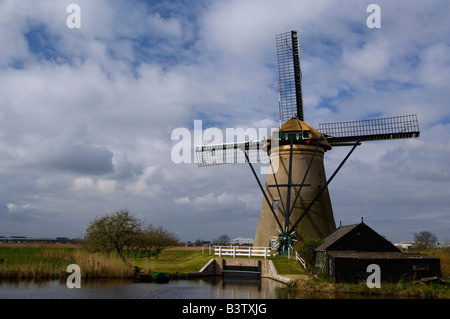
(201, 288)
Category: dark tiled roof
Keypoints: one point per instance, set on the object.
(335, 236)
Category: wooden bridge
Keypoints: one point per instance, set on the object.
(241, 251)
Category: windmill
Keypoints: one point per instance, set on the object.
(296, 204)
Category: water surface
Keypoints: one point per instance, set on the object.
(202, 288)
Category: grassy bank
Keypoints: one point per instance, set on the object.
(387, 290)
(174, 261)
(50, 262)
(40, 262)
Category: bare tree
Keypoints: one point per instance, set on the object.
(161, 238)
(113, 232)
(223, 239)
(424, 240)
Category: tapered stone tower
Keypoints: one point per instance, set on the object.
(294, 186)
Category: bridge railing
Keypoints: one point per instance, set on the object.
(238, 251)
(300, 259)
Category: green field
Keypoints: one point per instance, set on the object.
(11, 256)
(22, 261)
(50, 261)
(173, 261)
(28, 262)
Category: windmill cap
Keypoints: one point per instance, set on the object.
(295, 125)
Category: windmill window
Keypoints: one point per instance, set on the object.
(296, 136)
(273, 243)
(288, 136)
(276, 204)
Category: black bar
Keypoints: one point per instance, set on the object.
(340, 141)
(287, 213)
(297, 74)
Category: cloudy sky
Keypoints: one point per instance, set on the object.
(87, 114)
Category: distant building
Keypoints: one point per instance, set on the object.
(346, 253)
(442, 245)
(62, 240)
(34, 240)
(405, 245)
(243, 241)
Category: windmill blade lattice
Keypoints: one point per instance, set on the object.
(231, 153)
(405, 126)
(290, 76)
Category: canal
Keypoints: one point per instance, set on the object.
(184, 298)
(199, 288)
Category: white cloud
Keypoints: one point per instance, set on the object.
(87, 186)
(14, 208)
(146, 185)
(182, 200)
(93, 116)
(435, 68)
(371, 60)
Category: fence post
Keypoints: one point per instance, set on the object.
(220, 251)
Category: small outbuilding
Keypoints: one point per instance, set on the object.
(347, 252)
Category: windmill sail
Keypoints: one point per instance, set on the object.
(405, 126)
(231, 153)
(290, 104)
(290, 76)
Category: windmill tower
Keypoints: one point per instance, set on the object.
(296, 203)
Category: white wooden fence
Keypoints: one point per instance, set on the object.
(237, 251)
(300, 259)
